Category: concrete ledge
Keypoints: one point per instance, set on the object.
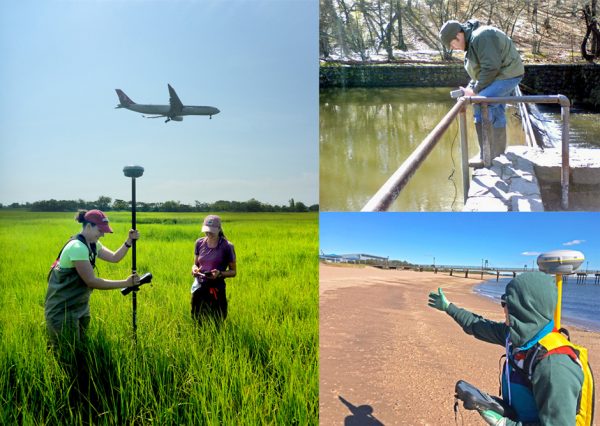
(509, 185)
(514, 181)
(584, 162)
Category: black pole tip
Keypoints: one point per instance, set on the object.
(133, 171)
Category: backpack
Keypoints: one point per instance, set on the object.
(91, 248)
(556, 343)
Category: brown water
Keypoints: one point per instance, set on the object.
(584, 126)
(366, 134)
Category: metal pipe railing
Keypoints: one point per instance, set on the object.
(526, 121)
(390, 190)
(464, 152)
(565, 104)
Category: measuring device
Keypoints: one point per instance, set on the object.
(559, 263)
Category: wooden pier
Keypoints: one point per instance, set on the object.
(478, 272)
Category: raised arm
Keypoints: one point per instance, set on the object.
(475, 325)
(114, 257)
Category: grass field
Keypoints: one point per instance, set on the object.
(260, 367)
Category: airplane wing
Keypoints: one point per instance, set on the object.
(176, 105)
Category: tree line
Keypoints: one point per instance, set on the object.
(357, 29)
(105, 203)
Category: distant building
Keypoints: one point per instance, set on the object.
(355, 258)
(332, 258)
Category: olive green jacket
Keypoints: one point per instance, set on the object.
(557, 380)
(490, 55)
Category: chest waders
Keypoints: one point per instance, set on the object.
(67, 308)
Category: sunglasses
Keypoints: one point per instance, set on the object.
(503, 304)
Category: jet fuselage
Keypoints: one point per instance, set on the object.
(165, 109)
(174, 111)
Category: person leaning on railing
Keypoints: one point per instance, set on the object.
(495, 67)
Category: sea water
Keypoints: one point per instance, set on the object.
(580, 302)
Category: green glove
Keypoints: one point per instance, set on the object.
(492, 418)
(438, 300)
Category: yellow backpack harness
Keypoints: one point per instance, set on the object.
(557, 343)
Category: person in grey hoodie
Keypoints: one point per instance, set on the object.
(550, 395)
(495, 67)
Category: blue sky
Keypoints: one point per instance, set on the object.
(255, 60)
(504, 239)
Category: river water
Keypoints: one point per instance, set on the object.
(584, 126)
(366, 134)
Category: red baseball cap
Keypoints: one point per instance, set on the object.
(99, 219)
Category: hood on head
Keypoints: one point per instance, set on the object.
(531, 300)
(468, 28)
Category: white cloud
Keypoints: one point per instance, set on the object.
(574, 242)
(531, 253)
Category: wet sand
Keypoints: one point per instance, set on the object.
(387, 358)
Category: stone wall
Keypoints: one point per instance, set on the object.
(580, 83)
(392, 76)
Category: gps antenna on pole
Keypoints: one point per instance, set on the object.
(559, 263)
(133, 172)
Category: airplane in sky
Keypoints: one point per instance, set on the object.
(174, 111)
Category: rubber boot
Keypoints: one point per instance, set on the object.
(477, 160)
(498, 142)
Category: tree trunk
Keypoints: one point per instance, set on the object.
(491, 12)
(401, 44)
(595, 30)
(592, 35)
(535, 16)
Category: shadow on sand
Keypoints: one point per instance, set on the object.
(362, 415)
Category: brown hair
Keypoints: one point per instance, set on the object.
(80, 217)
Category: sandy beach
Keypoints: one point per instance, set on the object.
(387, 358)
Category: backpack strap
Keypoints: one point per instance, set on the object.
(564, 350)
(524, 362)
(565, 333)
(557, 342)
(92, 249)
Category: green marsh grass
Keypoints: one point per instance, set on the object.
(259, 367)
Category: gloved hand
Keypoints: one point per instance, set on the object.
(438, 300)
(492, 418)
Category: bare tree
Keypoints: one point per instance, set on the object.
(353, 40)
(388, 16)
(590, 47)
(534, 16)
(511, 12)
(400, 33)
(327, 26)
(360, 28)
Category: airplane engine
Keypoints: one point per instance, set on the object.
(177, 118)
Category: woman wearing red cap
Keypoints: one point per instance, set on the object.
(72, 279)
(214, 260)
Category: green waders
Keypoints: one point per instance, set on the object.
(497, 140)
(67, 307)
